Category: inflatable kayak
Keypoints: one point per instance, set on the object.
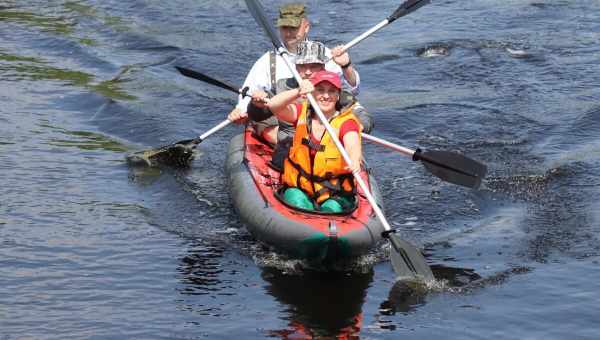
(322, 238)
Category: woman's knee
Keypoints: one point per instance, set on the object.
(297, 198)
(331, 206)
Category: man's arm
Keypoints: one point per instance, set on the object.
(348, 74)
(259, 78)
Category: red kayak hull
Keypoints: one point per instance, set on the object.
(317, 237)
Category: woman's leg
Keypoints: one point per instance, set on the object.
(332, 206)
(298, 198)
(347, 202)
(337, 204)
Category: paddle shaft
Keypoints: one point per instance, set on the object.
(401, 11)
(219, 83)
(417, 155)
(284, 54)
(365, 35)
(405, 151)
(361, 183)
(203, 77)
(410, 262)
(214, 129)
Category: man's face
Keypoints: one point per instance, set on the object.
(307, 70)
(291, 36)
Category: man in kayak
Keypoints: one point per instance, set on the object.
(310, 59)
(268, 69)
(315, 174)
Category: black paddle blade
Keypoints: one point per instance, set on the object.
(179, 154)
(197, 75)
(407, 260)
(406, 8)
(452, 167)
(258, 13)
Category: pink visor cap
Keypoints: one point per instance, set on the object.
(328, 76)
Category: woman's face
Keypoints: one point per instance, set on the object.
(327, 96)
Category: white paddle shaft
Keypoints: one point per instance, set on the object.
(365, 35)
(361, 183)
(215, 129)
(405, 151)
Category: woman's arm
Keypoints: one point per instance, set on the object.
(282, 105)
(354, 148)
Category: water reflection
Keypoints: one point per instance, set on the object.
(144, 176)
(319, 304)
(402, 298)
(405, 296)
(15, 67)
(86, 140)
(47, 23)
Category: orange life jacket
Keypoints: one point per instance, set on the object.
(327, 175)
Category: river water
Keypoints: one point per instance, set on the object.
(93, 249)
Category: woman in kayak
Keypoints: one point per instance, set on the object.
(315, 174)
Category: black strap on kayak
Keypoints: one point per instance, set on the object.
(338, 188)
(310, 177)
(325, 181)
(273, 65)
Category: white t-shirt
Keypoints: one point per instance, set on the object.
(259, 77)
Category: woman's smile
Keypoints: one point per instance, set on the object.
(327, 95)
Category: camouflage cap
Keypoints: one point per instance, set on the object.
(310, 52)
(291, 14)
